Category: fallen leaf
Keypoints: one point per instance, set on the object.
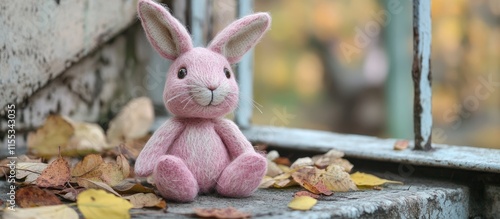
(306, 193)
(133, 147)
(133, 121)
(74, 138)
(4, 168)
(56, 174)
(89, 163)
(302, 203)
(368, 180)
(305, 161)
(323, 189)
(336, 179)
(377, 188)
(332, 157)
(127, 187)
(283, 183)
(70, 193)
(267, 182)
(96, 204)
(97, 185)
(284, 168)
(29, 170)
(221, 213)
(87, 138)
(400, 145)
(320, 181)
(45, 212)
(55, 132)
(141, 200)
(283, 180)
(93, 168)
(32, 196)
(123, 165)
(282, 161)
(273, 169)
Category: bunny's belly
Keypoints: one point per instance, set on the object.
(203, 152)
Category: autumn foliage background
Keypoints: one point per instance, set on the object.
(292, 72)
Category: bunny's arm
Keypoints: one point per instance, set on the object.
(157, 146)
(236, 143)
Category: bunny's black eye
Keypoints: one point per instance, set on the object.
(228, 74)
(182, 73)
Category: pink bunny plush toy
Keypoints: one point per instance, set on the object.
(197, 150)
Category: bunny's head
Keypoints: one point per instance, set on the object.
(200, 81)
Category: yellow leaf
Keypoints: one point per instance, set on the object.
(302, 203)
(267, 182)
(96, 204)
(55, 132)
(368, 180)
(74, 138)
(45, 212)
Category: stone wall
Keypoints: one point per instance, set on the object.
(83, 58)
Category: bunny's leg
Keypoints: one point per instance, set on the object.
(242, 176)
(174, 180)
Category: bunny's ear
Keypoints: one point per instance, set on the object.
(240, 36)
(165, 33)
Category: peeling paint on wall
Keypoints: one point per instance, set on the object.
(40, 39)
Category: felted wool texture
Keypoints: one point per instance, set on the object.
(165, 33)
(189, 97)
(240, 36)
(197, 150)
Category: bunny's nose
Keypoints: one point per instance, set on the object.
(212, 88)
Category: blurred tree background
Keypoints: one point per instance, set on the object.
(316, 66)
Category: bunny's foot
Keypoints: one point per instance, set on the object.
(174, 180)
(242, 176)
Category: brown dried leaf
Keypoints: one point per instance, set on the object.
(91, 184)
(133, 147)
(336, 179)
(221, 213)
(141, 200)
(70, 193)
(133, 121)
(307, 177)
(93, 168)
(56, 174)
(127, 187)
(306, 193)
(89, 163)
(32, 196)
(401, 145)
(282, 161)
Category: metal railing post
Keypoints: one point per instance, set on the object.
(421, 72)
(243, 113)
